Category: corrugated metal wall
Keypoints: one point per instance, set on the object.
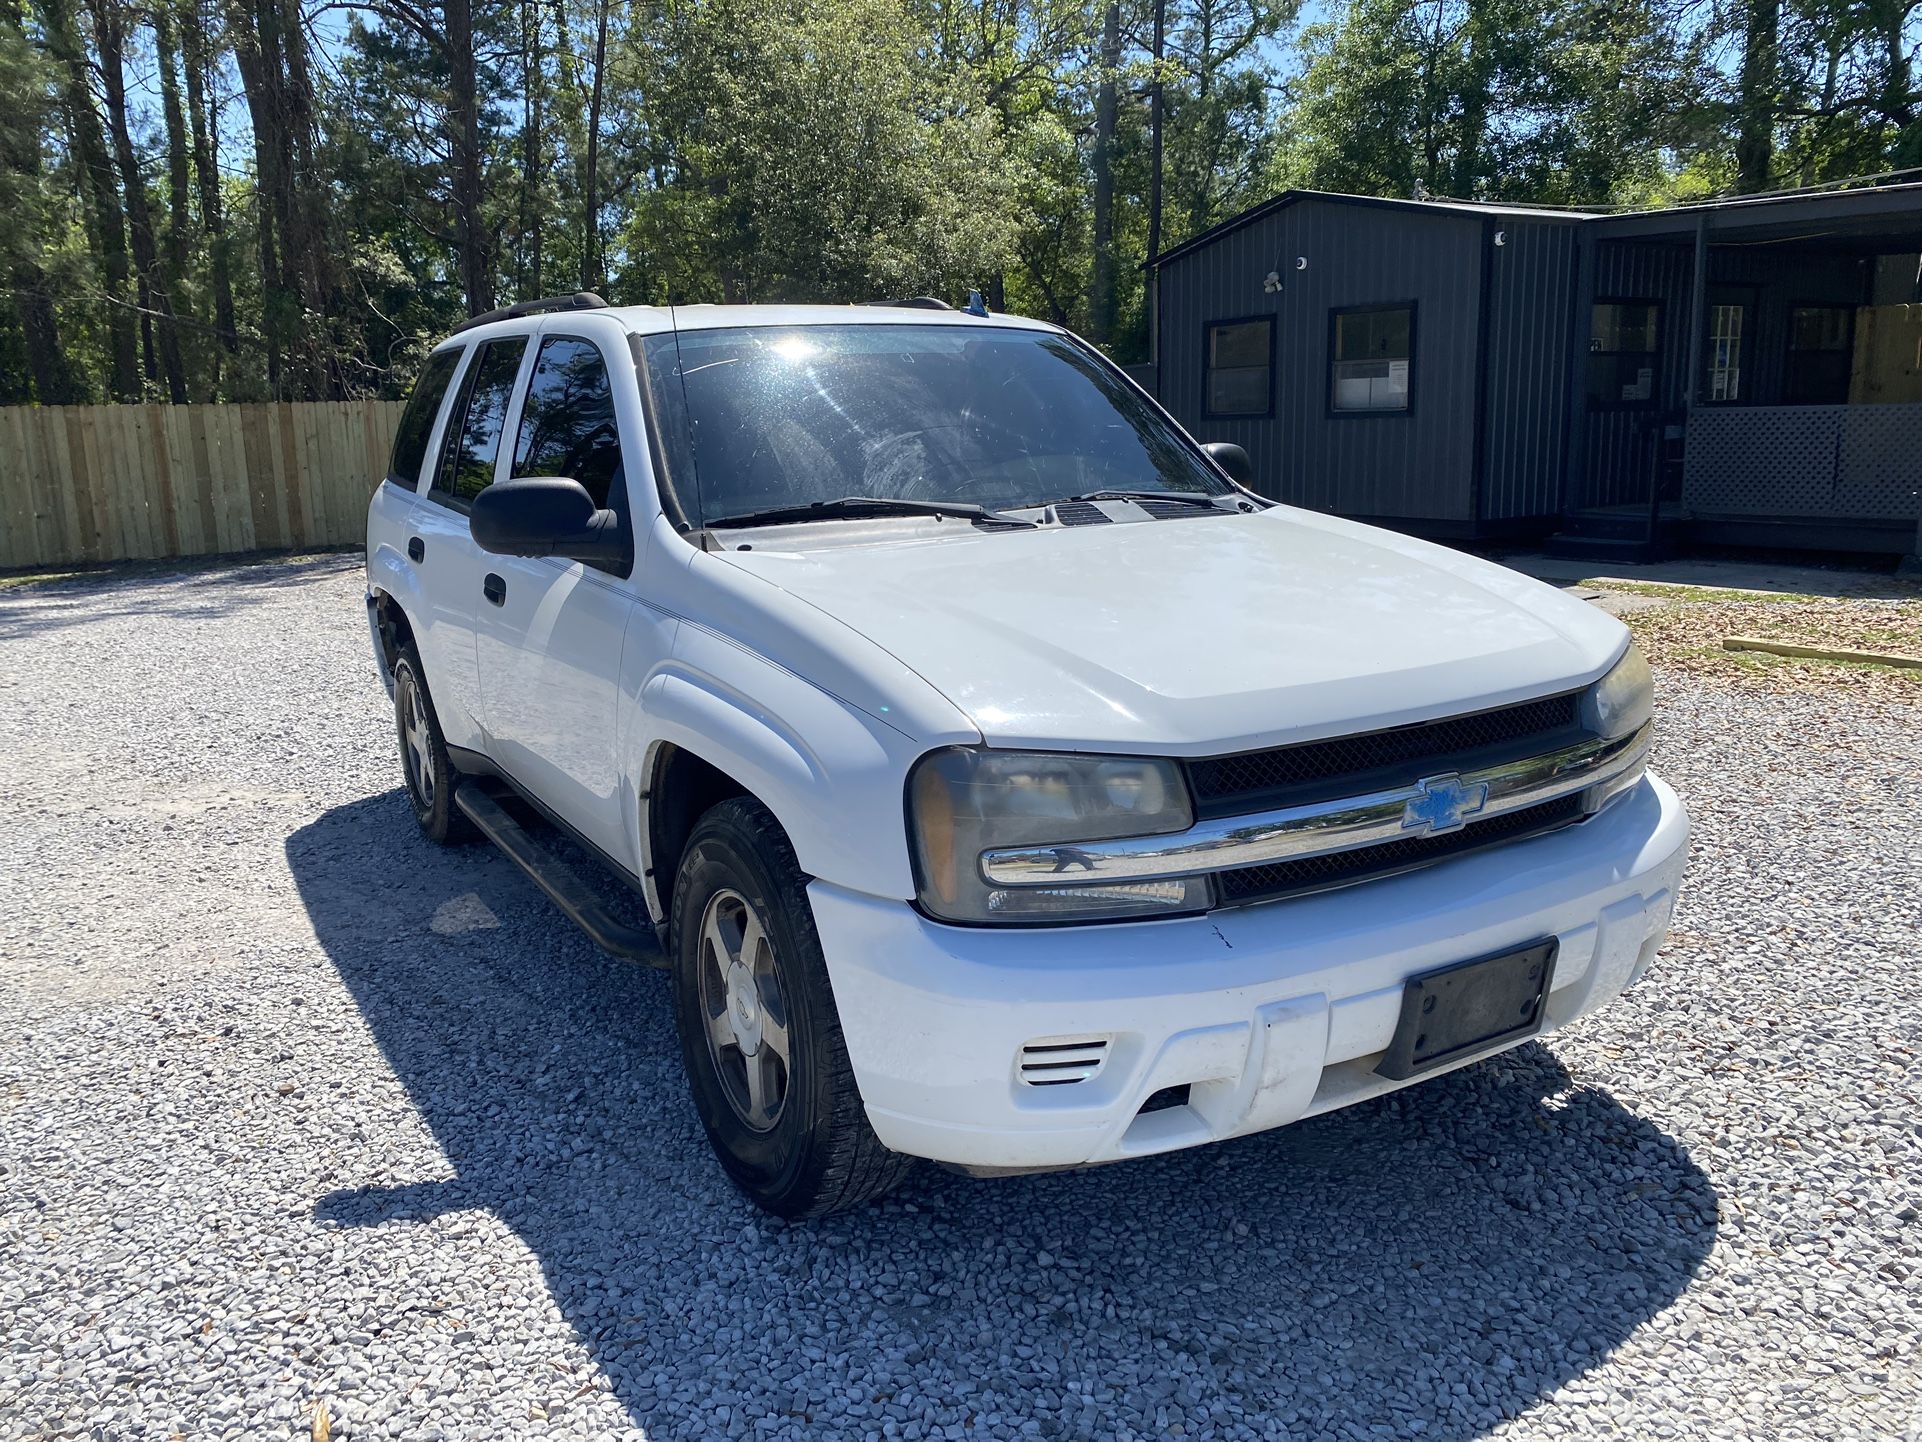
(1531, 283)
(1414, 466)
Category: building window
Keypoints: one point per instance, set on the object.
(1821, 347)
(1725, 326)
(1240, 369)
(1373, 352)
(1624, 340)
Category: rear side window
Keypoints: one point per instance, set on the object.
(417, 421)
(567, 421)
(467, 458)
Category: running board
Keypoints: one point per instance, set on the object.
(558, 880)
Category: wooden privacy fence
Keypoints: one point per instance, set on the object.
(115, 483)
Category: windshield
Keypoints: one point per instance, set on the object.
(765, 418)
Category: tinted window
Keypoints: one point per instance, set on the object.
(467, 461)
(1239, 382)
(1373, 349)
(1623, 340)
(761, 417)
(417, 421)
(567, 420)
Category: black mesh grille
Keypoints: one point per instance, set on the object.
(1222, 782)
(1316, 873)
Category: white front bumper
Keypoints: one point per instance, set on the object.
(1268, 1013)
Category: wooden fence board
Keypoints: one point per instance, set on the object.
(109, 483)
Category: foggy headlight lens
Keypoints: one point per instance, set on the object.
(1622, 702)
(963, 801)
(1618, 705)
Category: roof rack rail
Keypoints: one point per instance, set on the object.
(913, 302)
(579, 300)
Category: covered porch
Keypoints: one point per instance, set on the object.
(1749, 373)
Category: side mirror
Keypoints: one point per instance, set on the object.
(1232, 459)
(545, 516)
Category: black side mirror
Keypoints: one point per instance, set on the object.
(545, 516)
(1232, 459)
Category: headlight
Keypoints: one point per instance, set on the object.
(963, 801)
(1622, 702)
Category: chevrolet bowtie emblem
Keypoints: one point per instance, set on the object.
(1445, 804)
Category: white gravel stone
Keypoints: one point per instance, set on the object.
(297, 1110)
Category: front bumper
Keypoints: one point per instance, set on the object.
(1266, 1013)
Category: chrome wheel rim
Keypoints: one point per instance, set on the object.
(416, 744)
(743, 1013)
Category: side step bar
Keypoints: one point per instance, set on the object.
(558, 880)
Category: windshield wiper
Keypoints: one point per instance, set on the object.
(1186, 498)
(845, 506)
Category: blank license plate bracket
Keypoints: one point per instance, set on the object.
(1468, 1007)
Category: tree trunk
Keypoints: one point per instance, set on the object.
(204, 125)
(591, 278)
(1756, 95)
(106, 226)
(244, 33)
(110, 41)
(179, 191)
(1101, 285)
(1152, 296)
(463, 113)
(533, 81)
(54, 381)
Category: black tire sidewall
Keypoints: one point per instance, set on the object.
(437, 818)
(779, 1168)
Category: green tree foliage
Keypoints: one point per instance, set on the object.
(241, 199)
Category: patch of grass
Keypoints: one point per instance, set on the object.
(1689, 639)
(1676, 591)
(38, 578)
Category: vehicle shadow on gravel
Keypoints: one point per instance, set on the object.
(1427, 1264)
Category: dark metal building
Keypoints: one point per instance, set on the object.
(1747, 371)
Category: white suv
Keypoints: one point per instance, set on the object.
(1002, 780)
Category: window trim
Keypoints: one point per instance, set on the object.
(1208, 327)
(1336, 413)
(1654, 401)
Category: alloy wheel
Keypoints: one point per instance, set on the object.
(743, 1012)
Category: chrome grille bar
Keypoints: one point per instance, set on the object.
(1323, 827)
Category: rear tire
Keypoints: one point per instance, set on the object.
(424, 763)
(760, 1036)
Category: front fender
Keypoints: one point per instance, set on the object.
(831, 773)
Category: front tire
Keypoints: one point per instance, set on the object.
(430, 775)
(760, 1037)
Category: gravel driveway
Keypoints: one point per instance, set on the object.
(308, 1127)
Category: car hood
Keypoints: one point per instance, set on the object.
(1195, 635)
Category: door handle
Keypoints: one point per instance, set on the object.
(494, 588)
(416, 549)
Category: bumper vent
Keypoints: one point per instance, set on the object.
(1061, 1062)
